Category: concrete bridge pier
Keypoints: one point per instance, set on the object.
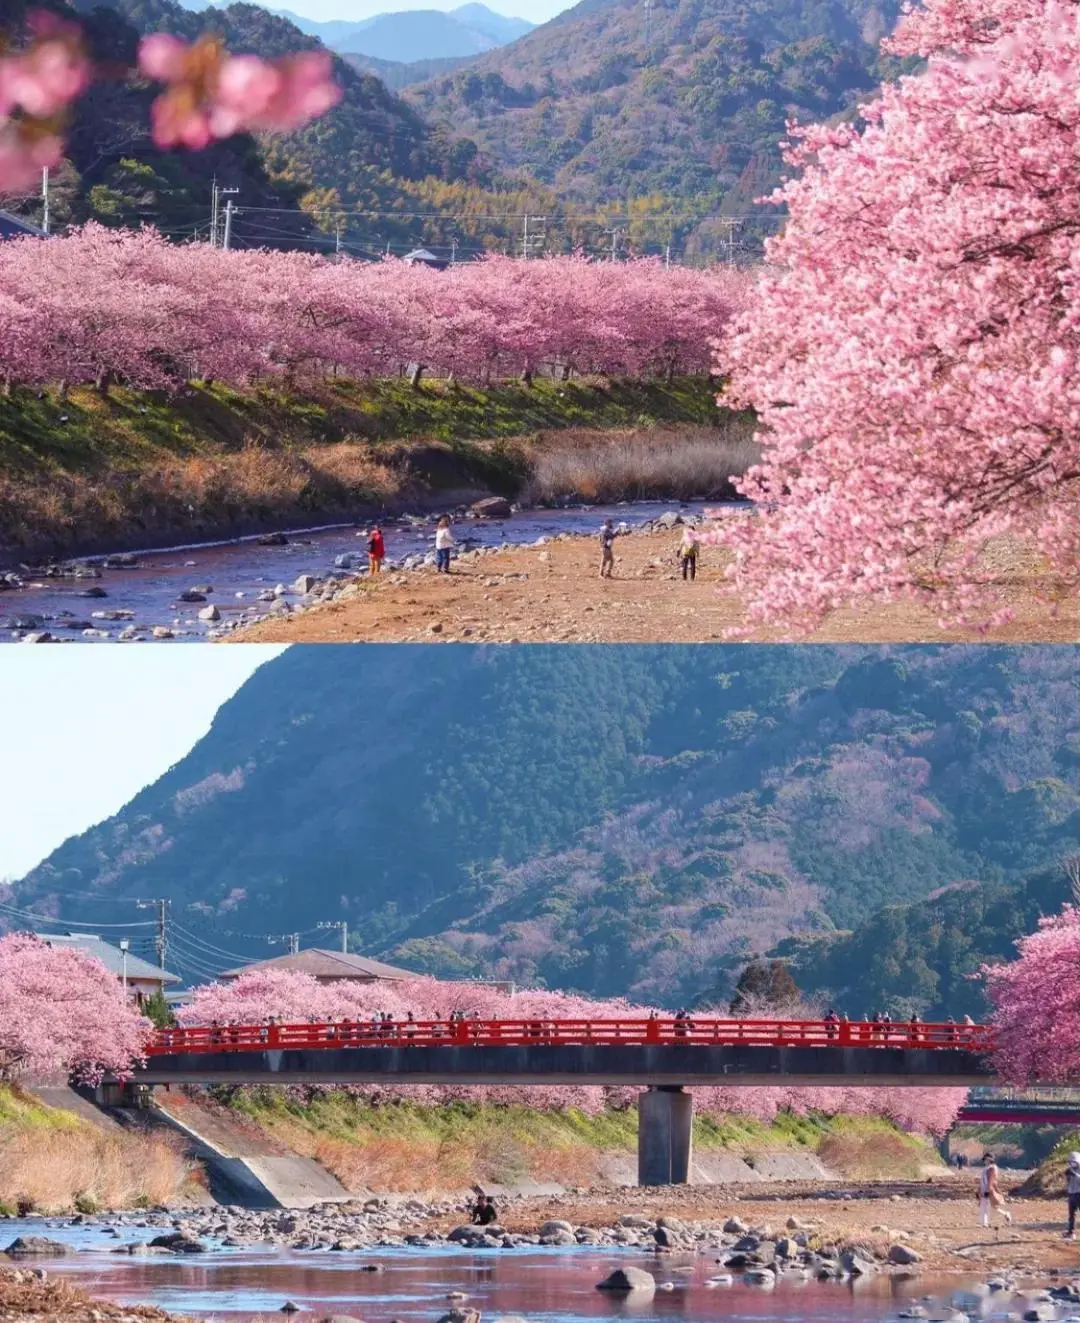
(665, 1135)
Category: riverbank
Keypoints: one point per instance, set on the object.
(27, 1296)
(137, 470)
(553, 594)
(53, 1159)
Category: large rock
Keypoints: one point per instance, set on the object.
(304, 583)
(210, 613)
(854, 1263)
(461, 1316)
(554, 1228)
(491, 507)
(1043, 1312)
(179, 1242)
(903, 1255)
(735, 1226)
(627, 1280)
(24, 1247)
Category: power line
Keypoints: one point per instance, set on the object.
(68, 923)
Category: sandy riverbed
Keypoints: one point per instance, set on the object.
(553, 594)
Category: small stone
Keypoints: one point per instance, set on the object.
(435, 628)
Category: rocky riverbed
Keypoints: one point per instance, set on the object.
(550, 592)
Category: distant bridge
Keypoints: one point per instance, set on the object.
(1020, 1111)
(662, 1055)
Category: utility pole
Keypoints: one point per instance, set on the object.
(294, 944)
(228, 225)
(45, 217)
(125, 946)
(213, 213)
(667, 257)
(344, 928)
(525, 238)
(648, 10)
(453, 252)
(161, 942)
(616, 235)
(729, 243)
(337, 241)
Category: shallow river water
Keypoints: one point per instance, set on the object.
(236, 572)
(542, 1286)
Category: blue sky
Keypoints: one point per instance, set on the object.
(86, 727)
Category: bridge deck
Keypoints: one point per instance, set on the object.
(633, 1052)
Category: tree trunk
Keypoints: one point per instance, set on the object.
(415, 372)
(62, 390)
(527, 377)
(102, 384)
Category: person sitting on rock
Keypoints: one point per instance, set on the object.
(488, 1213)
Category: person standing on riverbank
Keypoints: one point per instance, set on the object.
(991, 1199)
(376, 550)
(688, 553)
(1072, 1192)
(607, 549)
(444, 540)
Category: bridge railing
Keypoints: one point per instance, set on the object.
(698, 1030)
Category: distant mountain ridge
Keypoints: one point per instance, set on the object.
(408, 35)
(632, 820)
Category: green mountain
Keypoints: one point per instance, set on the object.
(678, 102)
(633, 819)
(370, 153)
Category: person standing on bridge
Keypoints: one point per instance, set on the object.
(991, 1199)
(1072, 1192)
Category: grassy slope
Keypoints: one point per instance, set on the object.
(51, 1160)
(411, 1147)
(215, 459)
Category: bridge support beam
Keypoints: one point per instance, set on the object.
(665, 1136)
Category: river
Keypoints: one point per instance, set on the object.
(541, 1285)
(235, 573)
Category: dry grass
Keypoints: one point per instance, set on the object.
(680, 463)
(51, 1170)
(878, 1155)
(201, 493)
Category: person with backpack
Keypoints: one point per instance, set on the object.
(607, 549)
(688, 553)
(376, 550)
(1072, 1192)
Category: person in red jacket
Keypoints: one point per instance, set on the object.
(376, 550)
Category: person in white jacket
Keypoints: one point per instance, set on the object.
(991, 1199)
(444, 540)
(1072, 1192)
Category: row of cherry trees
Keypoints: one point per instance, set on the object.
(104, 304)
(256, 996)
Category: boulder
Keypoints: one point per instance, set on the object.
(491, 507)
(210, 613)
(304, 583)
(272, 540)
(735, 1226)
(786, 1248)
(854, 1263)
(24, 1247)
(628, 1280)
(191, 595)
(669, 519)
(93, 592)
(553, 1227)
(1043, 1312)
(180, 1242)
(634, 1220)
(903, 1255)
(559, 1238)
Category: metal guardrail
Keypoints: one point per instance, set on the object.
(531, 1033)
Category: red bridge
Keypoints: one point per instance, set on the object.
(661, 1055)
(696, 1031)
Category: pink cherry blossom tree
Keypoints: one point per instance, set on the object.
(62, 1013)
(209, 94)
(1036, 1001)
(913, 346)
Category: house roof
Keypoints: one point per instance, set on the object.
(13, 227)
(326, 964)
(110, 956)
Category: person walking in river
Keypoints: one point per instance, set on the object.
(376, 550)
(607, 549)
(688, 553)
(991, 1198)
(1072, 1193)
(444, 541)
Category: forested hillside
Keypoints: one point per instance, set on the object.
(682, 102)
(369, 153)
(633, 819)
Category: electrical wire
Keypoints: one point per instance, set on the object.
(11, 911)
